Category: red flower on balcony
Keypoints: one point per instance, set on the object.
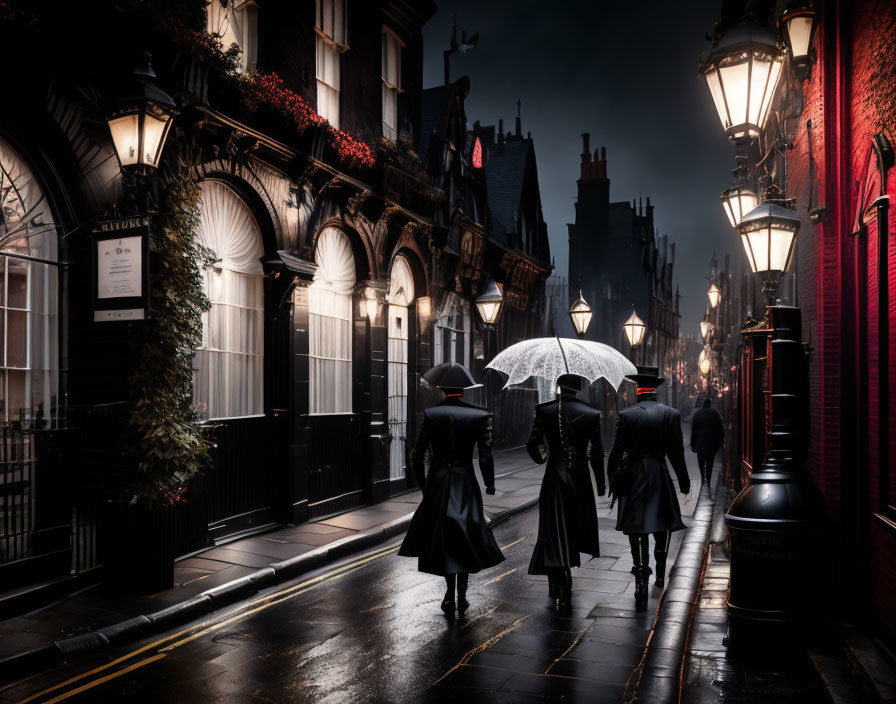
(266, 91)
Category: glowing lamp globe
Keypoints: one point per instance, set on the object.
(705, 366)
(705, 328)
(742, 72)
(798, 21)
(580, 314)
(489, 304)
(140, 120)
(634, 329)
(737, 201)
(768, 233)
(714, 295)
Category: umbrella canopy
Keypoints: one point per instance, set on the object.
(450, 375)
(550, 357)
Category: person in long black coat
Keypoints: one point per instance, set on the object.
(646, 434)
(561, 434)
(707, 436)
(448, 534)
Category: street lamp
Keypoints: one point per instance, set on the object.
(768, 233)
(634, 329)
(714, 294)
(742, 71)
(798, 21)
(705, 327)
(489, 304)
(580, 314)
(140, 120)
(737, 201)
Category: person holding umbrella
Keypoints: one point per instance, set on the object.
(567, 516)
(645, 435)
(448, 534)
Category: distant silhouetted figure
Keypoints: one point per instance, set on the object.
(707, 436)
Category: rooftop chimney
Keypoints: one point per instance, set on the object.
(500, 131)
(586, 147)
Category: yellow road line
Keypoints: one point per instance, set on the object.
(101, 680)
(510, 545)
(239, 613)
(500, 576)
(484, 646)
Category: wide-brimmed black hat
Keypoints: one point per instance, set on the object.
(450, 375)
(647, 377)
(569, 382)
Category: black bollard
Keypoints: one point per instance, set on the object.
(777, 523)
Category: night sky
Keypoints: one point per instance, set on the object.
(626, 73)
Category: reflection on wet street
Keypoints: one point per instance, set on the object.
(370, 629)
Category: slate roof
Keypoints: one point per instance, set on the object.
(435, 109)
(505, 175)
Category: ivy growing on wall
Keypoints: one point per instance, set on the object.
(167, 445)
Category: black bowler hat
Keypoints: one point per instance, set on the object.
(450, 376)
(647, 377)
(569, 382)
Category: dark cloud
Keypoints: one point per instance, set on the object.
(626, 73)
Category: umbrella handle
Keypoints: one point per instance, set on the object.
(563, 352)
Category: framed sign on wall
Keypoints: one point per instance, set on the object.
(121, 269)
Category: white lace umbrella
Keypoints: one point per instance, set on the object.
(549, 357)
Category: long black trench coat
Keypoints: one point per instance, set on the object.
(567, 515)
(448, 533)
(647, 433)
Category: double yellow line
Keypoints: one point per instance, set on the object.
(197, 631)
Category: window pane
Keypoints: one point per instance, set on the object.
(17, 276)
(17, 390)
(16, 338)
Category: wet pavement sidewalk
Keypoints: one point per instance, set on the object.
(517, 484)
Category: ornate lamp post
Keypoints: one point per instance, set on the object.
(798, 21)
(742, 71)
(489, 304)
(580, 314)
(768, 233)
(634, 329)
(140, 120)
(714, 295)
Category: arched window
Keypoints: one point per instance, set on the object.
(330, 324)
(401, 295)
(229, 365)
(28, 297)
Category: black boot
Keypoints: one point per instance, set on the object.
(448, 601)
(642, 572)
(462, 603)
(564, 601)
(633, 543)
(660, 553)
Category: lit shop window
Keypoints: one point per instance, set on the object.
(391, 83)
(228, 374)
(29, 368)
(236, 22)
(331, 42)
(330, 324)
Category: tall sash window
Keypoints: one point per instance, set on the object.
(228, 378)
(330, 324)
(331, 42)
(29, 368)
(452, 332)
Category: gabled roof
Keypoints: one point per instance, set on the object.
(505, 175)
(435, 111)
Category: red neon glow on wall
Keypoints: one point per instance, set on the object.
(477, 154)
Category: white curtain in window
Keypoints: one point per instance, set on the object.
(235, 24)
(330, 324)
(331, 19)
(401, 295)
(228, 379)
(28, 296)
